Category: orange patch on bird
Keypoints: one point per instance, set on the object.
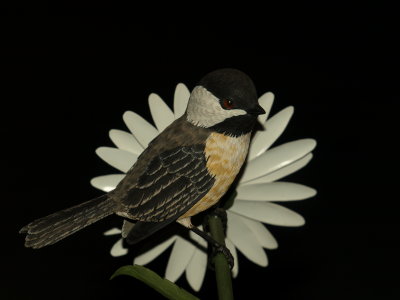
(225, 156)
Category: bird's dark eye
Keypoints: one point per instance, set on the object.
(227, 104)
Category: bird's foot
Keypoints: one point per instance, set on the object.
(216, 247)
(225, 251)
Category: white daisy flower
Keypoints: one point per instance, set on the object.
(257, 190)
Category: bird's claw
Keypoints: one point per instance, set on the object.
(225, 251)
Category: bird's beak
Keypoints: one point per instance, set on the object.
(258, 110)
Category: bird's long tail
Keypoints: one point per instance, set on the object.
(57, 226)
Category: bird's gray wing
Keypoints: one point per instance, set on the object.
(172, 183)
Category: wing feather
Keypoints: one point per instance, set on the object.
(172, 183)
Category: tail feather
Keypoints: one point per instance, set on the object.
(57, 226)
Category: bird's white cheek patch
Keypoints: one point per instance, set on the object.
(204, 109)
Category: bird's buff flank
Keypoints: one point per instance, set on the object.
(225, 156)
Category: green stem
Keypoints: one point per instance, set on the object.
(222, 270)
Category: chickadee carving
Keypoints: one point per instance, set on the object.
(185, 170)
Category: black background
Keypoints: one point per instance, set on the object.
(68, 78)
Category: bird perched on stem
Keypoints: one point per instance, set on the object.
(185, 170)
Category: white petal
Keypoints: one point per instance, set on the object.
(196, 269)
(266, 101)
(161, 113)
(112, 231)
(106, 183)
(245, 240)
(273, 128)
(117, 158)
(148, 256)
(179, 259)
(267, 212)
(181, 99)
(118, 249)
(274, 191)
(282, 172)
(264, 237)
(277, 158)
(142, 130)
(232, 249)
(125, 141)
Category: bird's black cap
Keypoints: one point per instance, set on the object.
(231, 84)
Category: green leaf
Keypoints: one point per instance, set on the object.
(165, 287)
